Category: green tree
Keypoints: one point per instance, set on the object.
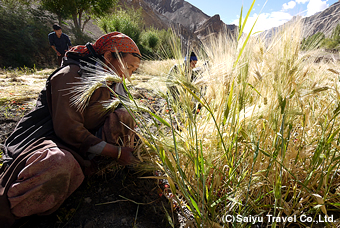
(168, 40)
(81, 11)
(60, 8)
(151, 42)
(334, 41)
(336, 34)
(150, 38)
(24, 41)
(159, 43)
(313, 42)
(129, 23)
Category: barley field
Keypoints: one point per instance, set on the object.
(255, 136)
(263, 139)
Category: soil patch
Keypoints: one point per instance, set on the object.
(115, 199)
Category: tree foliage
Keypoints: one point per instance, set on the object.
(60, 8)
(313, 42)
(24, 36)
(124, 22)
(81, 11)
(150, 38)
(319, 40)
(151, 42)
(334, 41)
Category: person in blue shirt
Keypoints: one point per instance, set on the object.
(187, 69)
(60, 42)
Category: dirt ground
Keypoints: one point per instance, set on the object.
(82, 209)
(115, 197)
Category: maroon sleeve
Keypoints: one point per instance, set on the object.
(68, 123)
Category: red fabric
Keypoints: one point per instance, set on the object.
(114, 42)
(48, 178)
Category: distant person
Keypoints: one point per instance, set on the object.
(176, 70)
(60, 42)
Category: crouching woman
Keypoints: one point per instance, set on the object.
(47, 155)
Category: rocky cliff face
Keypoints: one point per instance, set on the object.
(179, 12)
(324, 21)
(213, 26)
(150, 16)
(190, 23)
(166, 6)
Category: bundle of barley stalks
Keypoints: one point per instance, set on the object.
(256, 134)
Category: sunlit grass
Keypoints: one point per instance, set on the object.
(21, 86)
(266, 139)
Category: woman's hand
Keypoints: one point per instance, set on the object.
(126, 157)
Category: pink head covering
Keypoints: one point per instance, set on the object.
(114, 42)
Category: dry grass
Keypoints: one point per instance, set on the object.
(152, 74)
(154, 68)
(267, 138)
(19, 86)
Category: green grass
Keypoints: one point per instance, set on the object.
(266, 139)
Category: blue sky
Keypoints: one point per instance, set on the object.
(274, 12)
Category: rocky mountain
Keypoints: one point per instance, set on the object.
(179, 12)
(193, 25)
(324, 22)
(150, 17)
(190, 23)
(213, 26)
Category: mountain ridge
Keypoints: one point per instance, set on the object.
(324, 21)
(189, 22)
(193, 25)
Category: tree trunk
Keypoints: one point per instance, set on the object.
(75, 22)
(79, 18)
(85, 22)
(59, 19)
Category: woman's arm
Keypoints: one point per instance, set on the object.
(68, 123)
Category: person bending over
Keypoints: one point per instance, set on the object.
(47, 156)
